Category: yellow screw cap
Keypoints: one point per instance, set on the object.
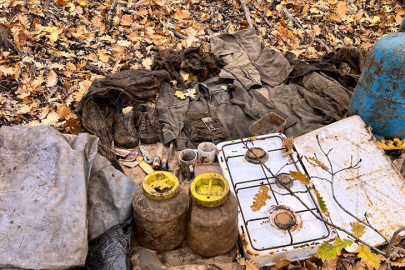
(160, 185)
(209, 189)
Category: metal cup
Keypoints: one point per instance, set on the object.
(188, 158)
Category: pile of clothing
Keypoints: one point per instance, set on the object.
(232, 86)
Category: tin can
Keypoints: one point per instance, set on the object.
(165, 165)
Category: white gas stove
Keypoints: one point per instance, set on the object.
(283, 227)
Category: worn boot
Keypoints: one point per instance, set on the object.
(148, 125)
(125, 134)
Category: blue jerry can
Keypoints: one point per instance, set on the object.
(379, 97)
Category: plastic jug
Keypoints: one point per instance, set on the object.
(379, 97)
(160, 211)
(212, 225)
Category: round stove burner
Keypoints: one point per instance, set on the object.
(284, 180)
(256, 155)
(284, 220)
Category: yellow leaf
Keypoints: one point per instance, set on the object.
(375, 20)
(303, 178)
(103, 56)
(282, 263)
(82, 2)
(320, 164)
(180, 95)
(126, 20)
(147, 62)
(52, 79)
(357, 229)
(260, 198)
(182, 14)
(368, 257)
(326, 251)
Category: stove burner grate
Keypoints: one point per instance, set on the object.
(256, 155)
(284, 180)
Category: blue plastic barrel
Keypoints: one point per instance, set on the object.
(379, 97)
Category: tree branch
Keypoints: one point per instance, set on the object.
(247, 13)
(111, 13)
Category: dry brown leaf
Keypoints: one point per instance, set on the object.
(288, 144)
(329, 264)
(342, 9)
(282, 263)
(319, 163)
(251, 265)
(44, 112)
(310, 266)
(52, 119)
(38, 81)
(126, 20)
(103, 56)
(71, 66)
(303, 178)
(63, 111)
(260, 198)
(400, 261)
(52, 79)
(147, 62)
(182, 14)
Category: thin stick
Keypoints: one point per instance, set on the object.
(247, 14)
(111, 13)
(323, 44)
(265, 15)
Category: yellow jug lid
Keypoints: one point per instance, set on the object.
(160, 185)
(209, 189)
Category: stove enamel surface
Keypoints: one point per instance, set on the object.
(283, 227)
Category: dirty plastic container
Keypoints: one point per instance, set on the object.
(270, 123)
(160, 210)
(379, 97)
(212, 226)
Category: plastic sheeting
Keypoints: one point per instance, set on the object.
(55, 194)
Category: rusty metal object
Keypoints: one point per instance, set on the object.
(379, 98)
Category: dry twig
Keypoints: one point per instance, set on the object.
(247, 14)
(110, 17)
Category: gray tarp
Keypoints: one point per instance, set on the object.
(55, 194)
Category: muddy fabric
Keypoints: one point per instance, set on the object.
(148, 125)
(329, 89)
(98, 106)
(110, 195)
(227, 100)
(193, 60)
(247, 61)
(198, 131)
(43, 200)
(182, 258)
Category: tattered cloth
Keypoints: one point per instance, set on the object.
(125, 88)
(203, 65)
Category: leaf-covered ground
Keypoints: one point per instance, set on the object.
(51, 51)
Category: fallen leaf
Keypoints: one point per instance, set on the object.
(180, 94)
(358, 229)
(126, 20)
(103, 56)
(63, 111)
(182, 14)
(321, 202)
(282, 263)
(319, 163)
(147, 63)
(310, 266)
(367, 256)
(52, 79)
(124, 43)
(342, 9)
(44, 112)
(260, 198)
(288, 144)
(52, 119)
(303, 178)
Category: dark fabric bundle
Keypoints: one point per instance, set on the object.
(193, 60)
(198, 131)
